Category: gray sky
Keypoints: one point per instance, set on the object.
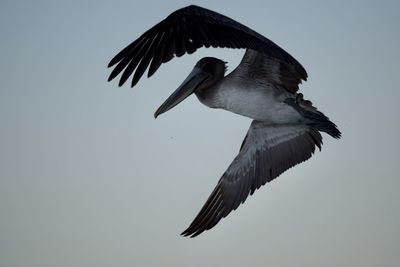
(89, 178)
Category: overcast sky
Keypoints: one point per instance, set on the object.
(88, 177)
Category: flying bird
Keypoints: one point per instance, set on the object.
(264, 87)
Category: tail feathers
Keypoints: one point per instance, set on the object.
(316, 118)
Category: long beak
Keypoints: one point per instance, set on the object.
(189, 85)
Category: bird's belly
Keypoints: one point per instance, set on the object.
(259, 104)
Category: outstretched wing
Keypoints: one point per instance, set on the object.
(184, 31)
(266, 152)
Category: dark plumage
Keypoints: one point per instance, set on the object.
(286, 128)
(186, 30)
(258, 165)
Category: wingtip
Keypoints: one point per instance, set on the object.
(194, 230)
(120, 83)
(112, 62)
(190, 234)
(110, 78)
(184, 233)
(135, 80)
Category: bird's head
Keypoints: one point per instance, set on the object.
(207, 72)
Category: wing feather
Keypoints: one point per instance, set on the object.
(186, 30)
(157, 59)
(269, 70)
(267, 152)
(145, 61)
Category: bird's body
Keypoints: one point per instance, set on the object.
(252, 98)
(286, 128)
(254, 103)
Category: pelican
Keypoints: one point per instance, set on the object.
(264, 87)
